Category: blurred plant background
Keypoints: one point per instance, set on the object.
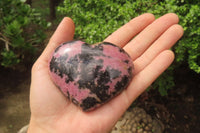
(25, 25)
(21, 31)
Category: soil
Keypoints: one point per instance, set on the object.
(14, 100)
(179, 110)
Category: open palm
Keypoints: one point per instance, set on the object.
(145, 39)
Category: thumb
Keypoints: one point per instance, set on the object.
(64, 32)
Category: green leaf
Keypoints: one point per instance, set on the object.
(23, 1)
(9, 58)
(22, 26)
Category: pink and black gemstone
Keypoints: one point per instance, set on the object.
(90, 75)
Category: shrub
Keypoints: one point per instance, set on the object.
(21, 28)
(96, 19)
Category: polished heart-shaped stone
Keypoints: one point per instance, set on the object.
(90, 75)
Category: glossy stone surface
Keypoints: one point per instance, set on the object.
(90, 75)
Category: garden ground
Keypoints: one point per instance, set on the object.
(14, 100)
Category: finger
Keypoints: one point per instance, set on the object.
(142, 80)
(64, 32)
(140, 43)
(124, 34)
(164, 42)
(148, 75)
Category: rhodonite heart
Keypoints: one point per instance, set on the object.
(90, 75)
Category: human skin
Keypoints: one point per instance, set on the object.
(51, 112)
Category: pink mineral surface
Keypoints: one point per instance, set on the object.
(90, 75)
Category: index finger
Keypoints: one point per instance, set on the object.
(124, 34)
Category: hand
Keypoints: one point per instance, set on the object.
(145, 39)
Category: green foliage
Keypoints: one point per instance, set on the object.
(21, 27)
(188, 48)
(164, 82)
(96, 19)
(190, 43)
(9, 58)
